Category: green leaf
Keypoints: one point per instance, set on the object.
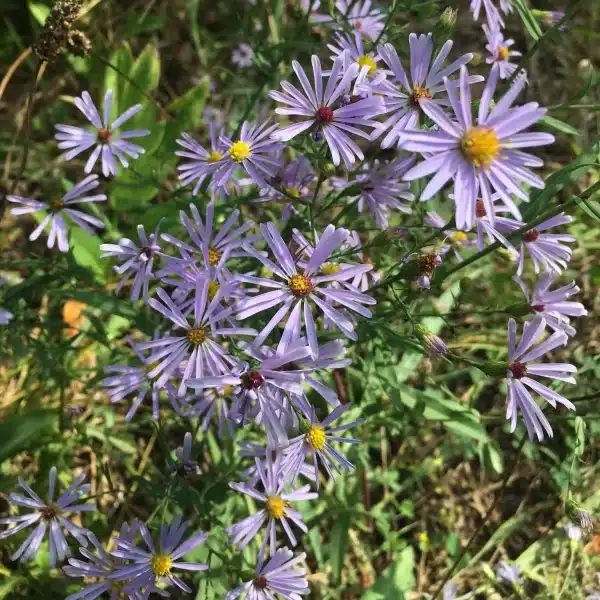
(493, 459)
(39, 11)
(188, 109)
(528, 19)
(19, 432)
(590, 207)
(559, 125)
(145, 75)
(121, 59)
(338, 544)
(86, 251)
(397, 579)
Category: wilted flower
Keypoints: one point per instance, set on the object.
(48, 517)
(520, 370)
(152, 566)
(104, 138)
(276, 579)
(481, 158)
(184, 463)
(56, 209)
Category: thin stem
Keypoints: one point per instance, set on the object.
(568, 573)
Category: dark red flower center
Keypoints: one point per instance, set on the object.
(252, 380)
(325, 115)
(104, 135)
(260, 582)
(480, 209)
(146, 252)
(538, 307)
(531, 236)
(49, 513)
(518, 370)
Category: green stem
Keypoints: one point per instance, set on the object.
(568, 573)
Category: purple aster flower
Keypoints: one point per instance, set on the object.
(455, 240)
(155, 565)
(261, 385)
(210, 243)
(279, 578)
(211, 403)
(492, 12)
(489, 229)
(136, 261)
(313, 6)
(277, 508)
(553, 305)
(545, 249)
(481, 158)
(251, 152)
(405, 97)
(381, 189)
(55, 210)
(450, 592)
(318, 107)
(520, 370)
(298, 291)
(134, 380)
(499, 49)
(242, 56)
(197, 351)
(315, 443)
(99, 566)
(352, 50)
(362, 16)
(510, 573)
(48, 516)
(203, 162)
(104, 138)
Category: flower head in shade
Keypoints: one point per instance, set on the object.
(277, 508)
(455, 240)
(313, 7)
(137, 262)
(251, 152)
(57, 209)
(522, 370)
(242, 56)
(500, 52)
(404, 96)
(202, 162)
(314, 443)
(482, 157)
(183, 463)
(156, 564)
(49, 517)
(259, 387)
(303, 287)
(450, 592)
(553, 305)
(212, 403)
(279, 578)
(382, 190)
(5, 316)
(196, 351)
(104, 139)
(319, 108)
(213, 245)
(546, 250)
(133, 380)
(492, 12)
(362, 16)
(510, 573)
(99, 565)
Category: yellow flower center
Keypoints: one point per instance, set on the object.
(367, 61)
(214, 157)
(316, 437)
(196, 335)
(481, 146)
(161, 565)
(214, 256)
(228, 391)
(418, 93)
(330, 268)
(55, 205)
(301, 285)
(459, 237)
(292, 191)
(213, 288)
(275, 506)
(502, 53)
(239, 151)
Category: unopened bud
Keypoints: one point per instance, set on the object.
(433, 344)
(448, 19)
(328, 169)
(476, 60)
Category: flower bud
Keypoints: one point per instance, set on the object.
(448, 19)
(476, 60)
(433, 344)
